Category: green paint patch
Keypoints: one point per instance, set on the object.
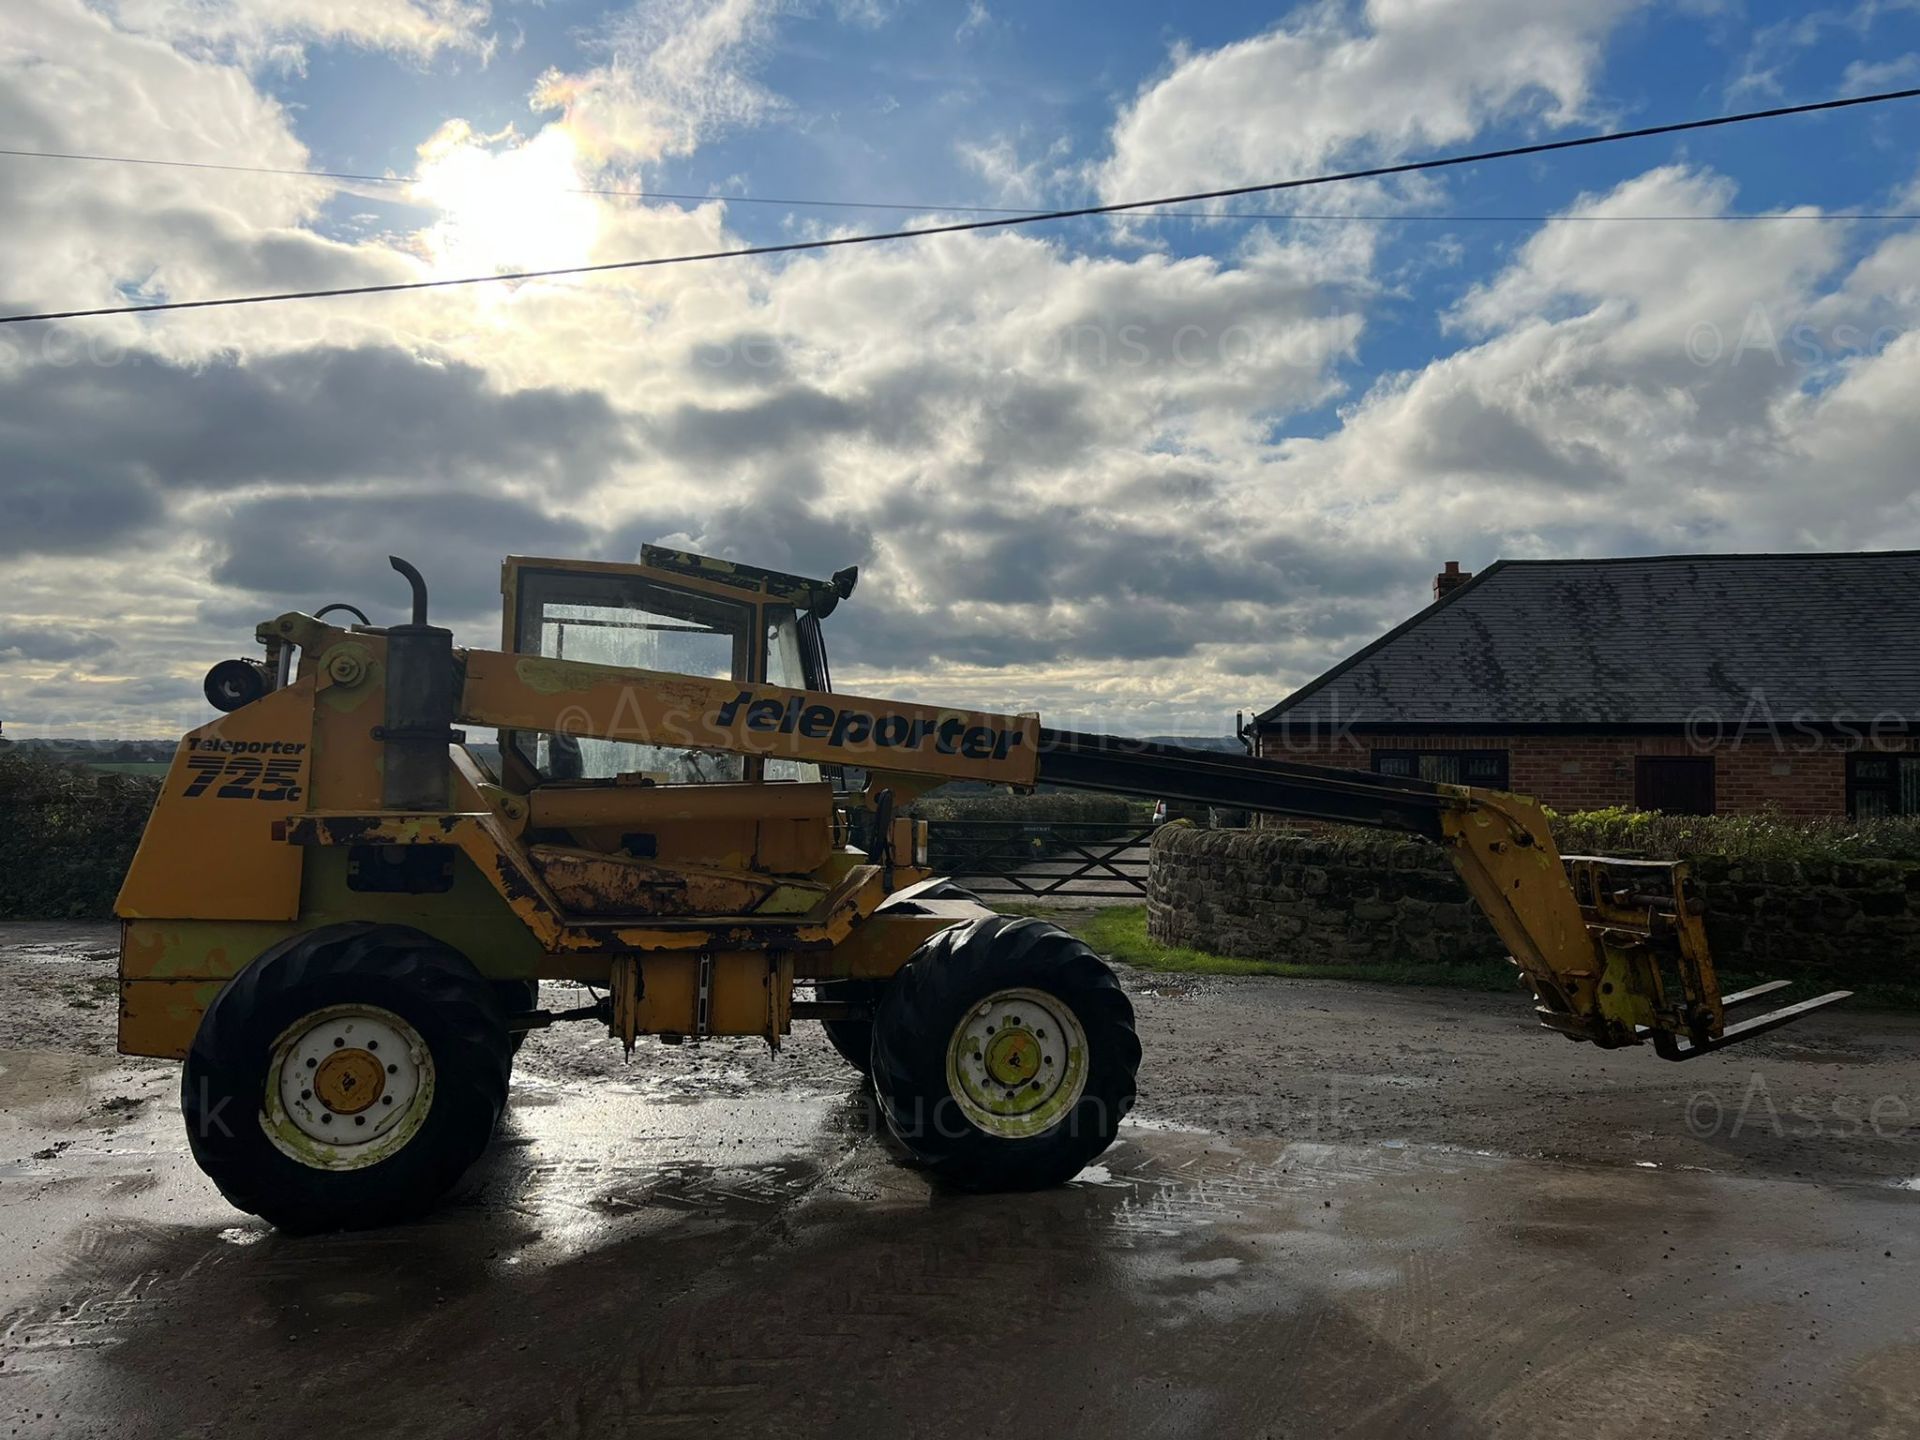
(201, 949)
(558, 677)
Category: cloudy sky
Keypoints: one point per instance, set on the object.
(1134, 473)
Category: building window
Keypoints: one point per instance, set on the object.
(1879, 785)
(1674, 784)
(1450, 767)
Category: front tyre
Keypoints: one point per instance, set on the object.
(346, 1078)
(1004, 1055)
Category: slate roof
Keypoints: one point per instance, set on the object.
(1657, 640)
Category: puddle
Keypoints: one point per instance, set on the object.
(67, 1160)
(705, 1189)
(1137, 1121)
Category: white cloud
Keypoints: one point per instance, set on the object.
(1652, 387)
(1867, 75)
(1011, 179)
(674, 73)
(1065, 474)
(1648, 284)
(88, 235)
(1338, 82)
(869, 13)
(278, 31)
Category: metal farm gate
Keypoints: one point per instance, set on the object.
(1065, 861)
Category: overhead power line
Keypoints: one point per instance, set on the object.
(790, 202)
(208, 165)
(1374, 172)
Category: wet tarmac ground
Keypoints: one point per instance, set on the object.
(1339, 1210)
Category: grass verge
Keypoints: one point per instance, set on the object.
(1121, 933)
(1029, 910)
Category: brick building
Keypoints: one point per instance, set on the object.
(1693, 684)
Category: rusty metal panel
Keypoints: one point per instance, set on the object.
(586, 882)
(483, 840)
(482, 837)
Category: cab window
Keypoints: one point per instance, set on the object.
(786, 665)
(630, 621)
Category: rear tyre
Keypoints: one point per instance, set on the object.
(852, 1038)
(945, 889)
(517, 997)
(346, 1078)
(1004, 1055)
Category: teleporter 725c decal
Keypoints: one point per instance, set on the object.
(246, 769)
(852, 727)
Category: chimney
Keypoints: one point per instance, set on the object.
(1450, 580)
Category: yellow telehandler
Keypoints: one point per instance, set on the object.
(338, 917)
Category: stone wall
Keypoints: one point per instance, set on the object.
(1331, 898)
(1351, 898)
(1853, 922)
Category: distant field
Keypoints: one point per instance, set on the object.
(132, 767)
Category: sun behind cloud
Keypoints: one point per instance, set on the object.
(504, 204)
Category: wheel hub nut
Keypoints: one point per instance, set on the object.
(1012, 1057)
(349, 1081)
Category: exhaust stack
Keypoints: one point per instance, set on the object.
(421, 687)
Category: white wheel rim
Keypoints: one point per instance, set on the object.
(347, 1087)
(1017, 1063)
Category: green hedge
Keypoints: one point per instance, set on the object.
(1764, 836)
(1047, 820)
(1046, 808)
(67, 835)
